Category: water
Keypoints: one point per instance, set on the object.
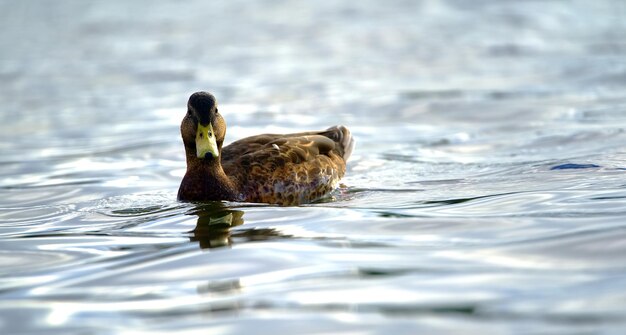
(487, 192)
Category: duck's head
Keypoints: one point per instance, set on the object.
(203, 128)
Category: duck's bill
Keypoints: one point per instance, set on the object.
(206, 145)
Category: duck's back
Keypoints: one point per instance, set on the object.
(288, 168)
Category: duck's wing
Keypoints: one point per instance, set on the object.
(314, 142)
(288, 168)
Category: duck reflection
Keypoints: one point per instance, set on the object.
(215, 223)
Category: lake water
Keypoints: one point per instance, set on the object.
(486, 194)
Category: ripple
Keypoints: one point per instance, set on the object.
(610, 113)
(40, 197)
(537, 203)
(13, 262)
(574, 166)
(33, 214)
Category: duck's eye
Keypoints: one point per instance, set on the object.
(216, 111)
(189, 112)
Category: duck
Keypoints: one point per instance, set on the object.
(281, 169)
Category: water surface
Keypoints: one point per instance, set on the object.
(487, 192)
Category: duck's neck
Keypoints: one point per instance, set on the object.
(205, 181)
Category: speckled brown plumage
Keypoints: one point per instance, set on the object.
(281, 169)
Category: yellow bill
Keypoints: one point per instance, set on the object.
(205, 142)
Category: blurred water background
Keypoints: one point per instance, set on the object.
(487, 192)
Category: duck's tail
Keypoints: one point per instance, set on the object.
(342, 136)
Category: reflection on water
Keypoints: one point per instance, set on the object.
(486, 193)
(214, 223)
